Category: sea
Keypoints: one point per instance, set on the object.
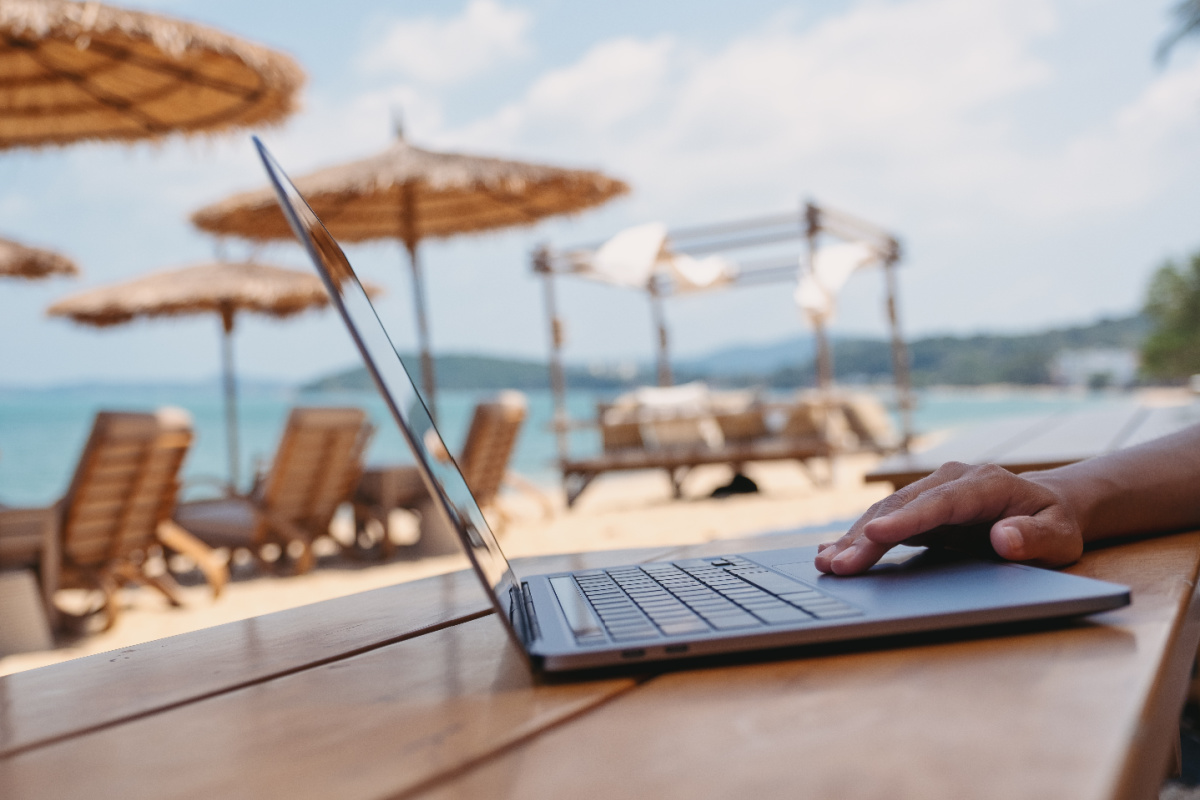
(43, 430)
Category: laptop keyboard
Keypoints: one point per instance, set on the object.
(722, 594)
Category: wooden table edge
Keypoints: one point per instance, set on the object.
(1155, 739)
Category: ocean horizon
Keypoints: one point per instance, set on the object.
(43, 429)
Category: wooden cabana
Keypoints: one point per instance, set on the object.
(794, 241)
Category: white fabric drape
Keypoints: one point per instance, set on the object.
(817, 290)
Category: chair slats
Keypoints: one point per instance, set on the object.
(124, 486)
(317, 464)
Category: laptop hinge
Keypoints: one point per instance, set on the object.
(534, 630)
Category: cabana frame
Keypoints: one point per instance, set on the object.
(805, 229)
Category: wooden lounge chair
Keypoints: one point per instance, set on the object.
(489, 446)
(117, 510)
(486, 452)
(869, 421)
(316, 467)
(741, 416)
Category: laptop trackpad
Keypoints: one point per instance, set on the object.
(899, 558)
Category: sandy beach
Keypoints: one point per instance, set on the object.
(618, 511)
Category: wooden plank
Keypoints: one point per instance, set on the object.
(1027, 443)
(1163, 421)
(976, 444)
(1081, 710)
(43, 705)
(778, 449)
(1070, 711)
(1075, 437)
(369, 726)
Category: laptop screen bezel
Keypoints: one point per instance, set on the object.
(442, 477)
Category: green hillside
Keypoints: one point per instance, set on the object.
(936, 360)
(480, 372)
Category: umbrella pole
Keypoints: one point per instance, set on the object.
(665, 378)
(812, 228)
(558, 378)
(900, 373)
(230, 385)
(428, 379)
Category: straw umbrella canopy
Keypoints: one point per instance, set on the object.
(217, 287)
(75, 71)
(19, 261)
(411, 194)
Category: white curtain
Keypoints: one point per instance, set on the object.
(817, 290)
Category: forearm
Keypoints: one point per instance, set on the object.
(1149, 488)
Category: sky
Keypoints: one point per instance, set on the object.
(1035, 160)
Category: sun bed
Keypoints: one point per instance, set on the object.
(491, 439)
(117, 510)
(734, 428)
(316, 467)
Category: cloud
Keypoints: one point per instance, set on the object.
(893, 87)
(892, 104)
(442, 52)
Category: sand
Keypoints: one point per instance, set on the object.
(617, 511)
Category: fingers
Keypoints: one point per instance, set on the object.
(1048, 539)
(1026, 520)
(976, 495)
(861, 552)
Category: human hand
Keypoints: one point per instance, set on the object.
(1025, 518)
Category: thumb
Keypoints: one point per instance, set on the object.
(1047, 539)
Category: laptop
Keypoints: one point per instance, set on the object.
(668, 610)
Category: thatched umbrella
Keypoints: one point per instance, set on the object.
(210, 288)
(19, 261)
(410, 194)
(75, 71)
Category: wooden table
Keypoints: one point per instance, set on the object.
(414, 691)
(1040, 441)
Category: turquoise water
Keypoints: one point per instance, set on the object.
(43, 430)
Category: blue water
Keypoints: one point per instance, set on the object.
(43, 430)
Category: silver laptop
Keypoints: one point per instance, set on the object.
(693, 607)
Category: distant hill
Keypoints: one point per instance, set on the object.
(749, 359)
(970, 360)
(936, 360)
(485, 372)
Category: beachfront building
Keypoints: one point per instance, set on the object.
(1095, 367)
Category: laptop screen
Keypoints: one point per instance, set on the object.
(443, 478)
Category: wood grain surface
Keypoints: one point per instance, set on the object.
(46, 704)
(1040, 441)
(1084, 709)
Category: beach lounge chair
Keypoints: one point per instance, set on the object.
(489, 446)
(868, 420)
(491, 439)
(741, 416)
(316, 467)
(117, 510)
